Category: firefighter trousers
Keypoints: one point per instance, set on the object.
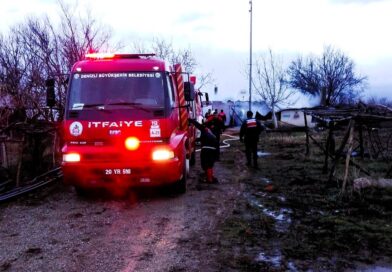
(251, 153)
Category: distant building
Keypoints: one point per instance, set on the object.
(296, 117)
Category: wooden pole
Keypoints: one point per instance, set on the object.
(348, 156)
(307, 135)
(328, 145)
(20, 161)
(361, 149)
(340, 150)
(4, 158)
(54, 151)
(368, 144)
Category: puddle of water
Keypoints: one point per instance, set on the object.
(291, 267)
(265, 180)
(256, 203)
(275, 261)
(375, 269)
(260, 194)
(281, 216)
(263, 154)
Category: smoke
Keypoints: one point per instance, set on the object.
(304, 101)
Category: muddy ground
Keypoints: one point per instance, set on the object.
(283, 217)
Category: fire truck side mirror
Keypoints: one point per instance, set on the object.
(189, 91)
(207, 99)
(50, 96)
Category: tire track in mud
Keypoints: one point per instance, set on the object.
(149, 247)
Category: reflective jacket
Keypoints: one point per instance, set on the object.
(250, 130)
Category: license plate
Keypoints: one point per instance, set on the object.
(117, 171)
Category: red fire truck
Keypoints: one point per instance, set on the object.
(126, 123)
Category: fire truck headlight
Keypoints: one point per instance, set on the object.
(71, 157)
(162, 155)
(132, 143)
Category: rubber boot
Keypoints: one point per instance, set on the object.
(210, 175)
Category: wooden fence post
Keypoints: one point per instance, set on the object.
(361, 149)
(348, 156)
(4, 159)
(340, 150)
(307, 135)
(330, 144)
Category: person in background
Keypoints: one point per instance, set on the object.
(208, 113)
(208, 151)
(214, 122)
(222, 116)
(249, 135)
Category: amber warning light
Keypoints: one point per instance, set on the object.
(132, 143)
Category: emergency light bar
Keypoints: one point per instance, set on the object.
(117, 56)
(99, 55)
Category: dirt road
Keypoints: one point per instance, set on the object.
(150, 230)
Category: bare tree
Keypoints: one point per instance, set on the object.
(205, 79)
(270, 83)
(81, 34)
(330, 76)
(140, 47)
(14, 64)
(36, 50)
(165, 50)
(38, 43)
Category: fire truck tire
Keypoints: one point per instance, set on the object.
(193, 159)
(187, 167)
(81, 191)
(180, 185)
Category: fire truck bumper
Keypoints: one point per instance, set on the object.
(119, 174)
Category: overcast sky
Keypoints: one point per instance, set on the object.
(217, 32)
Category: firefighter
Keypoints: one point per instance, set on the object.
(222, 115)
(208, 151)
(215, 123)
(208, 113)
(249, 134)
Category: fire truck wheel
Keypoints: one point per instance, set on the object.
(187, 167)
(193, 159)
(81, 191)
(180, 185)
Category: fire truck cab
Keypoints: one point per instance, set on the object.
(126, 123)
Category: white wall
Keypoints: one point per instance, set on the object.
(296, 118)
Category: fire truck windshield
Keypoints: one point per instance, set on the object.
(143, 92)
